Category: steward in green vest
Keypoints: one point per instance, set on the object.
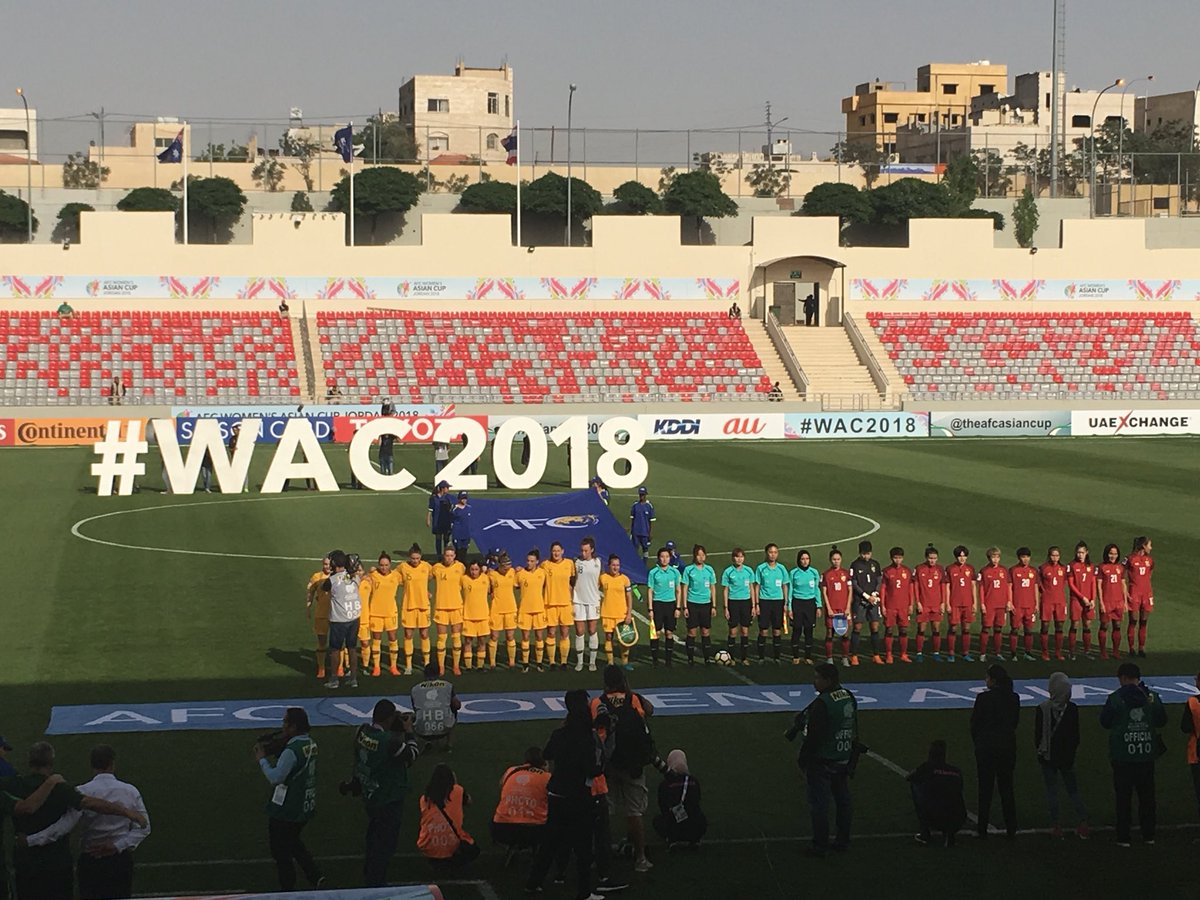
(1133, 714)
(828, 755)
(383, 751)
(293, 798)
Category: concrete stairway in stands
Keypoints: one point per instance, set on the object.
(832, 367)
(772, 364)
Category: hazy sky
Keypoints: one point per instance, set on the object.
(650, 64)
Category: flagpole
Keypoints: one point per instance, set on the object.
(351, 184)
(184, 155)
(518, 182)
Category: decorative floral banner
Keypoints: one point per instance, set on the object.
(1018, 289)
(405, 287)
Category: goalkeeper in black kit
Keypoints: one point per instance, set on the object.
(866, 576)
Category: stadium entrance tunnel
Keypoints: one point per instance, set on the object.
(784, 283)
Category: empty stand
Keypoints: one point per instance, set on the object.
(163, 357)
(510, 357)
(1014, 355)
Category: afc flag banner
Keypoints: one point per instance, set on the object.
(520, 524)
(343, 143)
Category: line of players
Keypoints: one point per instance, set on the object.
(472, 607)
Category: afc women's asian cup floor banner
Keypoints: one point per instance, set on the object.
(1022, 289)
(567, 288)
(520, 524)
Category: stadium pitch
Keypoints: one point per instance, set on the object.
(165, 599)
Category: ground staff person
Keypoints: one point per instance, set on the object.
(294, 797)
(994, 721)
(1190, 725)
(1133, 714)
(383, 751)
(830, 727)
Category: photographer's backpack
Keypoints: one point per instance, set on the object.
(634, 745)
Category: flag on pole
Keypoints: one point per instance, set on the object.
(343, 142)
(510, 144)
(174, 150)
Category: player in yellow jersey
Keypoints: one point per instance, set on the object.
(476, 631)
(317, 605)
(385, 615)
(531, 618)
(616, 606)
(366, 589)
(448, 602)
(504, 610)
(559, 619)
(414, 612)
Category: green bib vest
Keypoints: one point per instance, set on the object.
(299, 793)
(1132, 736)
(384, 779)
(842, 711)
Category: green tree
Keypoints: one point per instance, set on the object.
(489, 197)
(635, 199)
(861, 153)
(768, 181)
(698, 194)
(218, 202)
(219, 153)
(992, 178)
(67, 228)
(996, 217)
(1025, 218)
(304, 150)
(149, 199)
(386, 140)
(378, 190)
(301, 203)
(80, 172)
(961, 181)
(14, 225)
(547, 196)
(268, 173)
(911, 198)
(851, 205)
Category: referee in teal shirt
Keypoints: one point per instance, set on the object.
(700, 585)
(805, 605)
(666, 602)
(738, 583)
(771, 577)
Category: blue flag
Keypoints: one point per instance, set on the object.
(174, 150)
(343, 142)
(521, 524)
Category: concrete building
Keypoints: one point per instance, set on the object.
(148, 139)
(1150, 112)
(942, 98)
(469, 112)
(15, 139)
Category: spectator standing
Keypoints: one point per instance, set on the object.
(830, 726)
(11, 807)
(441, 456)
(206, 471)
(1056, 737)
(680, 818)
(293, 800)
(1133, 714)
(994, 721)
(1189, 725)
(937, 792)
(810, 311)
(441, 837)
(387, 453)
(384, 750)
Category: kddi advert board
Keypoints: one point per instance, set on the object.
(712, 426)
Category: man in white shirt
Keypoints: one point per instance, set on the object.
(106, 843)
(585, 600)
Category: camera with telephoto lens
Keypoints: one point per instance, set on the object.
(272, 743)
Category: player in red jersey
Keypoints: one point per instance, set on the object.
(963, 597)
(1052, 582)
(1114, 600)
(1081, 582)
(1025, 603)
(995, 602)
(898, 598)
(933, 587)
(835, 591)
(1140, 567)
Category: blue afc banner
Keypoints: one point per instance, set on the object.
(520, 524)
(731, 699)
(269, 431)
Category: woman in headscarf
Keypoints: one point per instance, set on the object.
(1056, 737)
(680, 819)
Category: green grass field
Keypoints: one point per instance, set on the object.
(90, 622)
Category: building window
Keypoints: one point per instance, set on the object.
(954, 120)
(507, 106)
(1114, 120)
(987, 89)
(1081, 121)
(889, 147)
(891, 118)
(862, 120)
(439, 142)
(435, 104)
(493, 104)
(920, 117)
(493, 140)
(872, 118)
(949, 88)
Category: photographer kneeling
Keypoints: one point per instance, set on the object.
(294, 800)
(383, 751)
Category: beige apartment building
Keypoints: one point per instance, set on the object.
(467, 113)
(16, 140)
(942, 98)
(1150, 112)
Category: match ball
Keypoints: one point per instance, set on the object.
(723, 658)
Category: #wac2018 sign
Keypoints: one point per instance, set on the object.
(1026, 290)
(384, 287)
